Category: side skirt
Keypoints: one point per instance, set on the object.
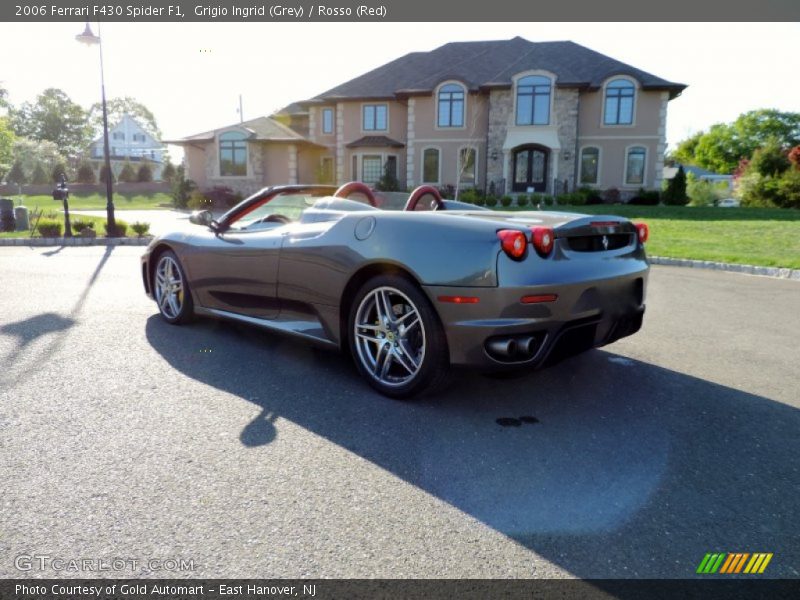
(310, 329)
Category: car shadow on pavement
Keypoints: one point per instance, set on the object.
(604, 465)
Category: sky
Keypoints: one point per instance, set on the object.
(191, 74)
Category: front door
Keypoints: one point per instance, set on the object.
(530, 169)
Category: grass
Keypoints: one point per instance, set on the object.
(151, 201)
(99, 225)
(767, 237)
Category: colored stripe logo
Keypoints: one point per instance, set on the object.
(734, 562)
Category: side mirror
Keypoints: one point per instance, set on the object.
(201, 217)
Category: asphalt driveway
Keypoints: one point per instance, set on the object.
(258, 456)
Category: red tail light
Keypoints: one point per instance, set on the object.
(513, 242)
(543, 240)
(644, 232)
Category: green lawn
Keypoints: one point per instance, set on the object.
(755, 236)
(150, 201)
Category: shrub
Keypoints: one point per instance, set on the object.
(49, 228)
(388, 181)
(55, 174)
(39, 175)
(573, 198)
(611, 196)
(182, 188)
(79, 225)
(120, 231)
(506, 200)
(104, 173)
(522, 200)
(140, 228)
(126, 175)
(222, 197)
(755, 190)
(543, 199)
(85, 173)
(481, 200)
(794, 157)
(591, 195)
(468, 195)
(145, 173)
(491, 201)
(448, 191)
(700, 192)
(168, 172)
(198, 201)
(646, 197)
(789, 190)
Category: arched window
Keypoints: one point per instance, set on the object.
(620, 96)
(533, 100)
(590, 163)
(634, 165)
(430, 165)
(232, 153)
(451, 106)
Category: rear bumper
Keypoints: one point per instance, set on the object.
(585, 315)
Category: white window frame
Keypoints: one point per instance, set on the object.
(218, 166)
(333, 121)
(551, 114)
(359, 156)
(436, 107)
(388, 116)
(474, 183)
(599, 164)
(636, 89)
(643, 184)
(438, 166)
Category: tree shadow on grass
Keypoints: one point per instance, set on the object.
(620, 468)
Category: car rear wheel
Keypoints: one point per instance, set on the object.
(171, 289)
(396, 339)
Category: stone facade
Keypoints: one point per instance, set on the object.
(565, 109)
(501, 105)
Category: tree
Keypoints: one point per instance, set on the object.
(770, 159)
(85, 173)
(31, 152)
(3, 97)
(6, 146)
(17, 174)
(59, 169)
(722, 147)
(39, 176)
(675, 193)
(168, 172)
(104, 173)
(54, 118)
(117, 107)
(127, 174)
(389, 182)
(145, 172)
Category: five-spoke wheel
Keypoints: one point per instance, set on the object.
(171, 289)
(395, 337)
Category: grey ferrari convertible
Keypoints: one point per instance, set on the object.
(407, 290)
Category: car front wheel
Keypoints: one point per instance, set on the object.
(171, 289)
(396, 339)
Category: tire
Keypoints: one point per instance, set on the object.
(396, 338)
(171, 290)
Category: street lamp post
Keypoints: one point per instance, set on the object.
(89, 38)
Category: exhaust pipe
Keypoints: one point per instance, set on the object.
(506, 347)
(527, 346)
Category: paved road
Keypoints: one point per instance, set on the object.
(257, 456)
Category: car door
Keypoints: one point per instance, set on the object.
(236, 271)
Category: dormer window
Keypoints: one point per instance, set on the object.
(232, 154)
(533, 100)
(451, 106)
(618, 106)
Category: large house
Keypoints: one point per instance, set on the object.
(129, 141)
(506, 116)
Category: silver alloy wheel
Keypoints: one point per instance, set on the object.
(169, 287)
(389, 336)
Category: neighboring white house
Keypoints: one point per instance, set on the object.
(127, 140)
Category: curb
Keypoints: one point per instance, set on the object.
(76, 241)
(781, 273)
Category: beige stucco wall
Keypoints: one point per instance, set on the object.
(612, 163)
(475, 122)
(645, 117)
(195, 163)
(351, 117)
